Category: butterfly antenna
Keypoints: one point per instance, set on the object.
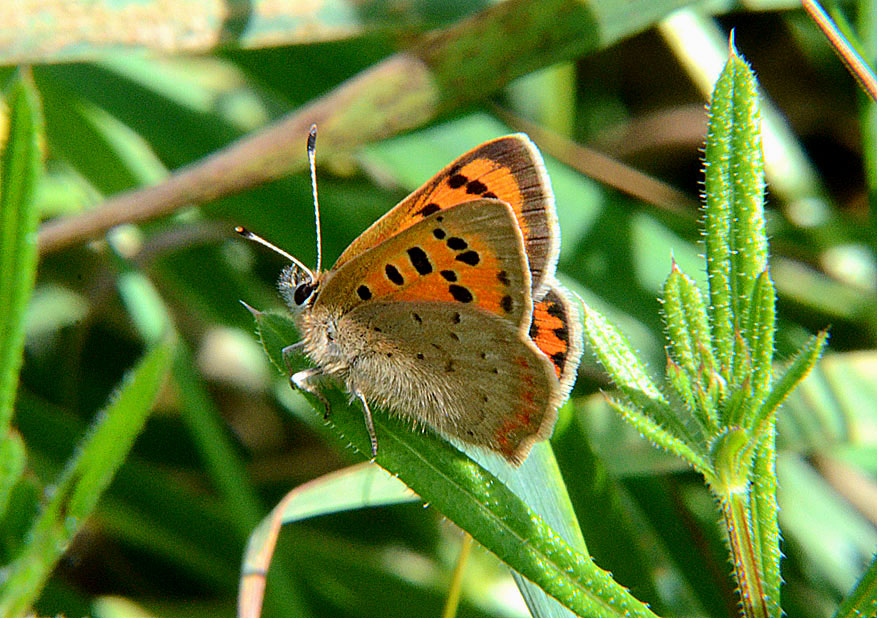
(312, 158)
(255, 238)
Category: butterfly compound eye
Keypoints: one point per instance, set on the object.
(303, 293)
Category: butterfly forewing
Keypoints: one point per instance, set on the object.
(469, 255)
(509, 169)
(465, 372)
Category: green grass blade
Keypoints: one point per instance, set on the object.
(862, 600)
(20, 169)
(356, 487)
(86, 477)
(12, 461)
(444, 71)
(46, 33)
(474, 499)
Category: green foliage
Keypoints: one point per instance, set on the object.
(139, 165)
(720, 357)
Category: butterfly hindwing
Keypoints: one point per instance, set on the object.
(470, 255)
(467, 373)
(509, 169)
(556, 329)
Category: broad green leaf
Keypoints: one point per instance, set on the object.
(474, 499)
(84, 480)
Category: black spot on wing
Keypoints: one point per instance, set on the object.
(460, 293)
(468, 257)
(556, 309)
(419, 260)
(428, 209)
(449, 275)
(363, 292)
(457, 180)
(456, 243)
(393, 274)
(476, 187)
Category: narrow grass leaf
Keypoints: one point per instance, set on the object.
(12, 461)
(359, 486)
(862, 600)
(87, 475)
(20, 170)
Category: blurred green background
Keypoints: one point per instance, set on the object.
(139, 95)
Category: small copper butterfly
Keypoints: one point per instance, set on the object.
(446, 310)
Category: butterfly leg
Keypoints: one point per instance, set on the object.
(369, 423)
(288, 351)
(304, 380)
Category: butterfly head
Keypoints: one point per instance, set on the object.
(298, 287)
(298, 284)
